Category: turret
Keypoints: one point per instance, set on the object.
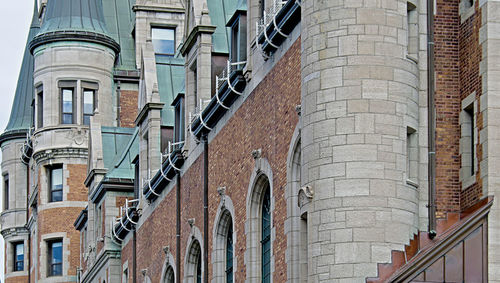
(14, 173)
(73, 79)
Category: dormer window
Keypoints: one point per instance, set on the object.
(238, 48)
(163, 40)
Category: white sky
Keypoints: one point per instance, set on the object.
(15, 19)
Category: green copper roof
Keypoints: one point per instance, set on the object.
(220, 12)
(241, 8)
(21, 113)
(119, 19)
(121, 165)
(170, 74)
(81, 20)
(114, 140)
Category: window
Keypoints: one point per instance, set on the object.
(412, 25)
(229, 254)
(55, 249)
(98, 224)
(262, 8)
(125, 276)
(179, 118)
(266, 237)
(5, 192)
(39, 105)
(303, 248)
(56, 184)
(411, 156)
(198, 268)
(137, 184)
(468, 141)
(169, 277)
(18, 256)
(238, 40)
(88, 105)
(163, 40)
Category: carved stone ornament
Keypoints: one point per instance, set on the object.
(257, 153)
(306, 194)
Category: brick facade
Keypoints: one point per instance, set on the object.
(276, 96)
(128, 108)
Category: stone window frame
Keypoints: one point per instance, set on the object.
(466, 9)
(168, 263)
(10, 253)
(190, 266)
(89, 86)
(262, 173)
(14, 254)
(45, 185)
(49, 170)
(412, 24)
(412, 151)
(468, 142)
(125, 272)
(6, 192)
(238, 40)
(292, 222)
(68, 85)
(163, 26)
(225, 212)
(45, 239)
(39, 106)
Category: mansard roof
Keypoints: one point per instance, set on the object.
(21, 114)
(79, 20)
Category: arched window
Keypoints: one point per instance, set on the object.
(198, 268)
(193, 270)
(169, 275)
(229, 254)
(260, 234)
(266, 236)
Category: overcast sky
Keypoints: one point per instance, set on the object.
(15, 19)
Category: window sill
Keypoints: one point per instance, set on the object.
(468, 181)
(412, 183)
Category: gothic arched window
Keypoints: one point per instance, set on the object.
(266, 236)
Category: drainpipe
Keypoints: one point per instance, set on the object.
(178, 230)
(431, 117)
(205, 207)
(134, 256)
(27, 219)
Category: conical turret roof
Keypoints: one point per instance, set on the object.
(75, 20)
(21, 114)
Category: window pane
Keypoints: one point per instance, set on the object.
(88, 102)
(67, 100)
(163, 40)
(19, 257)
(56, 184)
(86, 119)
(55, 260)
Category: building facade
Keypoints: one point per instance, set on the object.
(255, 141)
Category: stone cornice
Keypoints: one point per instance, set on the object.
(147, 107)
(156, 8)
(191, 38)
(69, 152)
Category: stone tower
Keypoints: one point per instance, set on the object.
(15, 174)
(73, 75)
(360, 106)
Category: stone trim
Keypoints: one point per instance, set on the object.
(190, 267)
(468, 156)
(169, 261)
(225, 213)
(261, 174)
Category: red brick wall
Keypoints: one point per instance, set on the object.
(266, 120)
(470, 81)
(128, 108)
(17, 279)
(447, 29)
(61, 219)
